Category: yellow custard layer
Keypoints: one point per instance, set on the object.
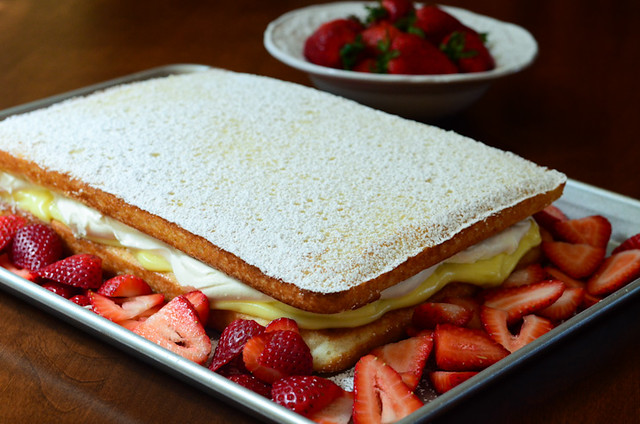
(226, 293)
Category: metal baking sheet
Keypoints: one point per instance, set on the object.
(578, 200)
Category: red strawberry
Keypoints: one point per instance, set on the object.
(250, 382)
(465, 349)
(566, 306)
(60, 289)
(616, 271)
(84, 271)
(282, 324)
(559, 275)
(533, 273)
(22, 272)
(407, 357)
(120, 309)
(466, 49)
(377, 38)
(523, 300)
(397, 9)
(176, 327)
(81, 300)
(125, 285)
(9, 225)
(632, 242)
(549, 216)
(337, 412)
(232, 341)
(443, 381)
(305, 394)
(436, 24)
(325, 46)
(200, 303)
(470, 303)
(35, 246)
(379, 392)
(430, 314)
(414, 55)
(495, 324)
(577, 260)
(367, 65)
(593, 230)
(277, 354)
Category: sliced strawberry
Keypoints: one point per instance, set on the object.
(556, 274)
(379, 393)
(304, 394)
(60, 289)
(430, 314)
(250, 382)
(176, 327)
(549, 216)
(523, 300)
(35, 246)
(9, 225)
(465, 349)
(337, 412)
(273, 355)
(443, 381)
(120, 309)
(200, 302)
(407, 357)
(632, 242)
(495, 324)
(80, 299)
(617, 270)
(577, 260)
(282, 324)
(84, 271)
(124, 285)
(593, 230)
(22, 272)
(232, 341)
(533, 273)
(470, 303)
(566, 306)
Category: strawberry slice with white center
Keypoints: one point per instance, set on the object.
(380, 395)
(22, 272)
(84, 271)
(200, 302)
(121, 309)
(124, 285)
(593, 230)
(176, 327)
(495, 324)
(531, 274)
(232, 341)
(408, 357)
(549, 216)
(337, 412)
(465, 349)
(443, 381)
(632, 242)
(617, 271)
(566, 306)
(577, 260)
(9, 225)
(523, 300)
(305, 394)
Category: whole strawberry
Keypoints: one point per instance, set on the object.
(333, 44)
(467, 50)
(414, 55)
(435, 24)
(35, 246)
(9, 225)
(84, 271)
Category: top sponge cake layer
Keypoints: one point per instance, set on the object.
(312, 190)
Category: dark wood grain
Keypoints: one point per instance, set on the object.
(576, 109)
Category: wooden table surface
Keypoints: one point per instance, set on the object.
(576, 109)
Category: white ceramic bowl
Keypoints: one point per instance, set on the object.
(422, 97)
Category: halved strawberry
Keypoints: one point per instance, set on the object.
(408, 357)
(566, 306)
(124, 285)
(523, 300)
(84, 271)
(616, 271)
(282, 324)
(22, 272)
(549, 216)
(593, 230)
(305, 394)
(250, 382)
(337, 412)
(465, 349)
(379, 393)
(200, 302)
(577, 260)
(533, 273)
(176, 327)
(60, 289)
(556, 274)
(80, 300)
(35, 246)
(273, 355)
(9, 225)
(232, 341)
(120, 309)
(495, 324)
(430, 314)
(443, 381)
(470, 303)
(632, 242)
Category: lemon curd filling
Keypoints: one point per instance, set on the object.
(486, 264)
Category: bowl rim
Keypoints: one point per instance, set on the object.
(272, 46)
